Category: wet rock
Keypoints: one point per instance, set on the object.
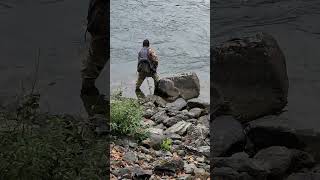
(227, 136)
(250, 75)
(277, 131)
(197, 103)
(304, 176)
(159, 117)
(178, 128)
(169, 167)
(177, 105)
(195, 112)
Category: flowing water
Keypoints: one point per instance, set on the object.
(179, 31)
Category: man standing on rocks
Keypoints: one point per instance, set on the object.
(99, 46)
(95, 104)
(147, 65)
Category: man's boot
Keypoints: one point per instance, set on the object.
(88, 87)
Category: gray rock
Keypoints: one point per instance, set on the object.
(157, 100)
(253, 167)
(196, 135)
(177, 142)
(149, 113)
(225, 173)
(304, 176)
(159, 117)
(197, 103)
(186, 85)
(148, 123)
(204, 150)
(204, 120)
(178, 128)
(189, 168)
(167, 89)
(281, 159)
(140, 174)
(193, 121)
(195, 112)
(160, 126)
(174, 136)
(130, 157)
(155, 138)
(171, 121)
(278, 159)
(177, 105)
(185, 177)
(181, 152)
(256, 83)
(155, 131)
(279, 131)
(169, 167)
(227, 136)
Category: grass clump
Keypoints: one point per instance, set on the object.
(166, 144)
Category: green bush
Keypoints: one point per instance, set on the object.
(126, 117)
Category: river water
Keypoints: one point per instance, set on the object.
(179, 31)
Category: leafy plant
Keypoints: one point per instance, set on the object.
(166, 144)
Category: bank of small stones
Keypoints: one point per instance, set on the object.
(185, 124)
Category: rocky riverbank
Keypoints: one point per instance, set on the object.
(177, 147)
(252, 136)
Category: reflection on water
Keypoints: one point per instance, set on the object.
(294, 23)
(178, 30)
(56, 27)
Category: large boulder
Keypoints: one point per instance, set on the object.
(227, 136)
(184, 85)
(250, 76)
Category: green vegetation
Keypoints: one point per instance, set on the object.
(166, 144)
(126, 117)
(42, 146)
